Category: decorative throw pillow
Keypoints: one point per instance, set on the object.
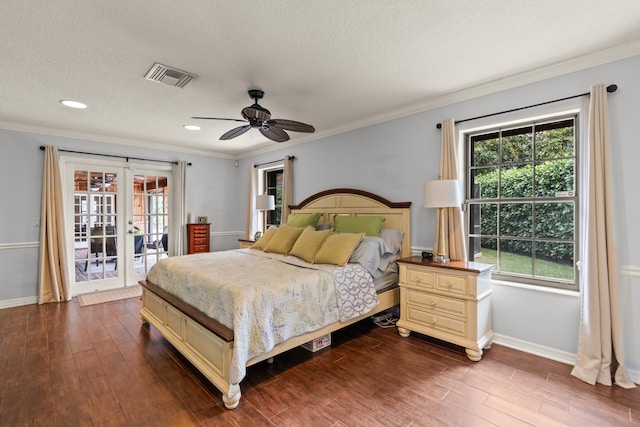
(283, 240)
(370, 225)
(337, 248)
(309, 243)
(262, 241)
(302, 220)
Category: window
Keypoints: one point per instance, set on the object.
(522, 201)
(273, 179)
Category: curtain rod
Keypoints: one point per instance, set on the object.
(275, 161)
(610, 89)
(42, 147)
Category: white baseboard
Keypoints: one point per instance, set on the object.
(548, 353)
(538, 350)
(17, 302)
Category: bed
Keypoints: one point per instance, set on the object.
(213, 343)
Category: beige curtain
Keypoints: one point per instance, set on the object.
(53, 277)
(287, 188)
(455, 244)
(177, 235)
(252, 213)
(600, 342)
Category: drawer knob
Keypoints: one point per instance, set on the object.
(418, 279)
(433, 322)
(449, 285)
(434, 303)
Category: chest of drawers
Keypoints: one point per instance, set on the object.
(450, 302)
(198, 238)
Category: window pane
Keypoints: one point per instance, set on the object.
(555, 220)
(555, 140)
(553, 176)
(515, 256)
(517, 145)
(484, 250)
(555, 260)
(516, 219)
(483, 219)
(516, 181)
(485, 149)
(485, 183)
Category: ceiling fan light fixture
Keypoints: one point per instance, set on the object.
(73, 104)
(191, 127)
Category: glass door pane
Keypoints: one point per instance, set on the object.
(150, 220)
(95, 228)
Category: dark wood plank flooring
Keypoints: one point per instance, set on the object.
(66, 365)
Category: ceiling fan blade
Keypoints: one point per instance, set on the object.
(219, 118)
(235, 132)
(291, 125)
(256, 112)
(274, 133)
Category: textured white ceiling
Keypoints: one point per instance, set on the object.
(334, 64)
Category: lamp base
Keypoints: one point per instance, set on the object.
(442, 259)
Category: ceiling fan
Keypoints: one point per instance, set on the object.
(260, 118)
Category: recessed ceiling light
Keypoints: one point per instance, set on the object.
(191, 127)
(73, 104)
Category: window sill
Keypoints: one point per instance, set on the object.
(543, 289)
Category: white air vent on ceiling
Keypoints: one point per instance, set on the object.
(168, 75)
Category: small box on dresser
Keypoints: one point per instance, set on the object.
(198, 238)
(450, 302)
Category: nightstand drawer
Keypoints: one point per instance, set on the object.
(431, 320)
(452, 284)
(436, 303)
(419, 278)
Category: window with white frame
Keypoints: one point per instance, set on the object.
(522, 200)
(272, 181)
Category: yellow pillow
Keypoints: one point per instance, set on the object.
(283, 240)
(262, 242)
(337, 248)
(308, 243)
(302, 220)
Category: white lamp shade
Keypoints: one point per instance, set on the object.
(265, 202)
(442, 193)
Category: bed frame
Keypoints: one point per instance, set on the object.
(208, 344)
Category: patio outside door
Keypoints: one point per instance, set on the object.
(119, 218)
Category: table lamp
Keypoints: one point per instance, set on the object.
(265, 202)
(442, 194)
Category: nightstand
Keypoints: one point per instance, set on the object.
(246, 243)
(450, 302)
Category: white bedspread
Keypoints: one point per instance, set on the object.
(265, 298)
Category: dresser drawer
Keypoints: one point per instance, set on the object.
(430, 320)
(437, 303)
(452, 284)
(197, 240)
(421, 278)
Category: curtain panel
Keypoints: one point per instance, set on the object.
(179, 210)
(54, 284)
(600, 347)
(455, 238)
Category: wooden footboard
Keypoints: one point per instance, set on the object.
(210, 349)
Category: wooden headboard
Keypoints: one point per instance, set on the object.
(347, 201)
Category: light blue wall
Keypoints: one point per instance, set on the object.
(395, 158)
(392, 159)
(211, 193)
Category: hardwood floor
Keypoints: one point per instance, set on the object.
(66, 365)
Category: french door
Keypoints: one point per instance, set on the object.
(118, 218)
